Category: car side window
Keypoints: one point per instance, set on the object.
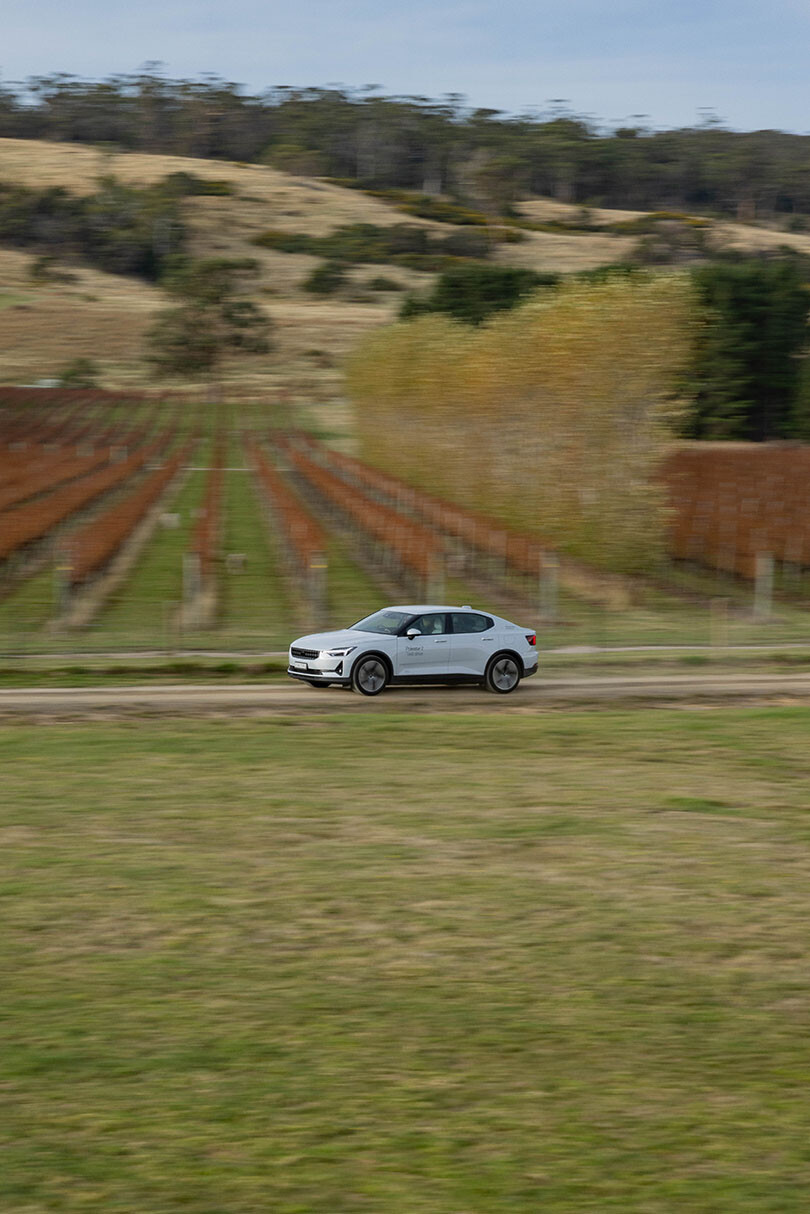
(431, 625)
(469, 621)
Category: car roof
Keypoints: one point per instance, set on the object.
(421, 608)
(418, 608)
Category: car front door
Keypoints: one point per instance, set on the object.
(472, 641)
(428, 653)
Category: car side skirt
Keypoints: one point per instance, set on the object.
(448, 678)
(413, 679)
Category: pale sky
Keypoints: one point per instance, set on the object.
(746, 60)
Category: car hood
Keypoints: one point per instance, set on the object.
(333, 640)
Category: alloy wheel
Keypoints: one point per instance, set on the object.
(371, 677)
(504, 674)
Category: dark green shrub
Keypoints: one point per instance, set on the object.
(469, 242)
(189, 185)
(473, 292)
(46, 269)
(119, 228)
(507, 235)
(284, 242)
(427, 207)
(326, 279)
(648, 223)
(80, 373)
(400, 244)
(206, 278)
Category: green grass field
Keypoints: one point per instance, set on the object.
(434, 964)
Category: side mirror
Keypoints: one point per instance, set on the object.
(412, 632)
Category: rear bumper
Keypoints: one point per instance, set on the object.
(527, 674)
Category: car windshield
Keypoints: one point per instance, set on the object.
(386, 622)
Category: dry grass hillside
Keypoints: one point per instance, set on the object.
(105, 317)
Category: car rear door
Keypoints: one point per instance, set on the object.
(429, 653)
(473, 641)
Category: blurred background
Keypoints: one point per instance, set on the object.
(259, 379)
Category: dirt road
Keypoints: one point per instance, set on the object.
(282, 698)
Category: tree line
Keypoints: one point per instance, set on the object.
(436, 147)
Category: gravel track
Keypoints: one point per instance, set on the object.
(277, 699)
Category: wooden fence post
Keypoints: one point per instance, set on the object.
(192, 577)
(549, 587)
(792, 562)
(719, 623)
(436, 579)
(763, 586)
(316, 587)
(62, 570)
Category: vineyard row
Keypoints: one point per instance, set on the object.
(30, 523)
(97, 542)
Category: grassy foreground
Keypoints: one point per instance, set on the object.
(432, 964)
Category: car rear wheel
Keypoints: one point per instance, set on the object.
(369, 676)
(502, 675)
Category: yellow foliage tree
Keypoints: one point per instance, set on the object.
(553, 417)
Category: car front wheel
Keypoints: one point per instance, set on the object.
(502, 675)
(369, 676)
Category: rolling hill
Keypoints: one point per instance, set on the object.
(105, 316)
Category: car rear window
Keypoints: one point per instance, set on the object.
(469, 621)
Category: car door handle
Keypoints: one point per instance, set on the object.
(441, 642)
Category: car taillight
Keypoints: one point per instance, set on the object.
(532, 639)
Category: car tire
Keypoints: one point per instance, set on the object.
(502, 674)
(369, 676)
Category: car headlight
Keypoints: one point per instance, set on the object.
(343, 652)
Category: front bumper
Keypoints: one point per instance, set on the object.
(317, 676)
(323, 668)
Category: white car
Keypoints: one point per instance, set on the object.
(418, 644)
